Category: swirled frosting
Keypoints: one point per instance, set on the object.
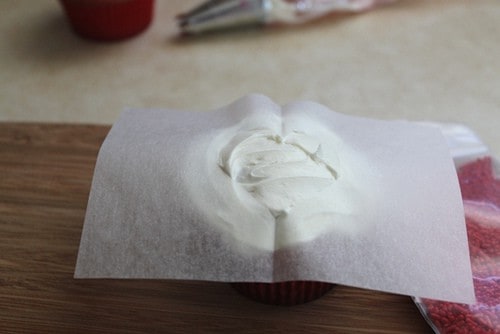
(290, 182)
(271, 177)
(281, 173)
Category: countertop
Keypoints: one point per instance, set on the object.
(423, 60)
(46, 172)
(431, 60)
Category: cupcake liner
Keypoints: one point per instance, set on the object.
(108, 19)
(283, 293)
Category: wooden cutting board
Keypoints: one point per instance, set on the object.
(45, 177)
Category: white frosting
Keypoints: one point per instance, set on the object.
(281, 173)
(274, 177)
(275, 181)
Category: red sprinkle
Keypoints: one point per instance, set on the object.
(478, 184)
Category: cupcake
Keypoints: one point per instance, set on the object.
(287, 177)
(275, 190)
(108, 19)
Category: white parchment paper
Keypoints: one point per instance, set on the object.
(160, 206)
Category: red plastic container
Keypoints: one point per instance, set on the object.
(108, 20)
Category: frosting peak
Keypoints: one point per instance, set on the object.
(282, 173)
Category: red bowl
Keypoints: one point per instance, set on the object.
(108, 19)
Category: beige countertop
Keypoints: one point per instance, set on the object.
(431, 60)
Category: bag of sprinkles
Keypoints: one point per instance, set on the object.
(481, 195)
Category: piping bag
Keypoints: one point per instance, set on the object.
(225, 14)
(258, 192)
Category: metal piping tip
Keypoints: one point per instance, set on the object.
(220, 14)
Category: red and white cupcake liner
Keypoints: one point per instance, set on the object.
(283, 293)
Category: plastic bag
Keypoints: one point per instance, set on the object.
(481, 194)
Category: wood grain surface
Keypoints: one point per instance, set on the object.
(45, 177)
